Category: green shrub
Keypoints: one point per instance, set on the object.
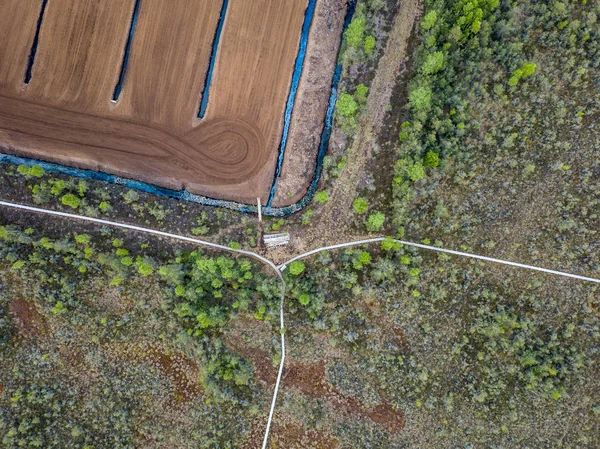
(82, 238)
(389, 244)
(431, 159)
(360, 205)
(145, 269)
(355, 32)
(375, 221)
(35, 171)
(429, 20)
(104, 206)
(71, 200)
(364, 258)
(307, 216)
(321, 197)
(369, 44)
(420, 98)
(347, 105)
(131, 196)
(523, 72)
(416, 172)
(296, 267)
(304, 299)
(361, 93)
(433, 63)
(58, 185)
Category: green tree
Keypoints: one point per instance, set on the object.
(369, 45)
(429, 20)
(296, 267)
(431, 159)
(347, 105)
(420, 98)
(433, 63)
(360, 205)
(355, 32)
(36, 171)
(71, 200)
(361, 93)
(375, 221)
(321, 197)
(304, 299)
(416, 172)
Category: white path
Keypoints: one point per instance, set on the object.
(279, 269)
(440, 250)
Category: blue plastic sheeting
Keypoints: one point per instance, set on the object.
(187, 196)
(289, 109)
(34, 45)
(134, 17)
(213, 59)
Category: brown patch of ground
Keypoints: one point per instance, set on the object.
(311, 380)
(293, 436)
(387, 327)
(289, 436)
(65, 113)
(250, 338)
(311, 103)
(182, 372)
(259, 358)
(29, 321)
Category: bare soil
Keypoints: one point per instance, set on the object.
(152, 133)
(30, 322)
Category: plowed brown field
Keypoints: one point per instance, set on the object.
(65, 114)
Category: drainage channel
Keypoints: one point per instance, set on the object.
(213, 60)
(134, 17)
(207, 201)
(36, 40)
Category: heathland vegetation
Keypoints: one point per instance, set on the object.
(113, 341)
(498, 145)
(495, 150)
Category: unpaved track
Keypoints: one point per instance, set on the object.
(152, 133)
